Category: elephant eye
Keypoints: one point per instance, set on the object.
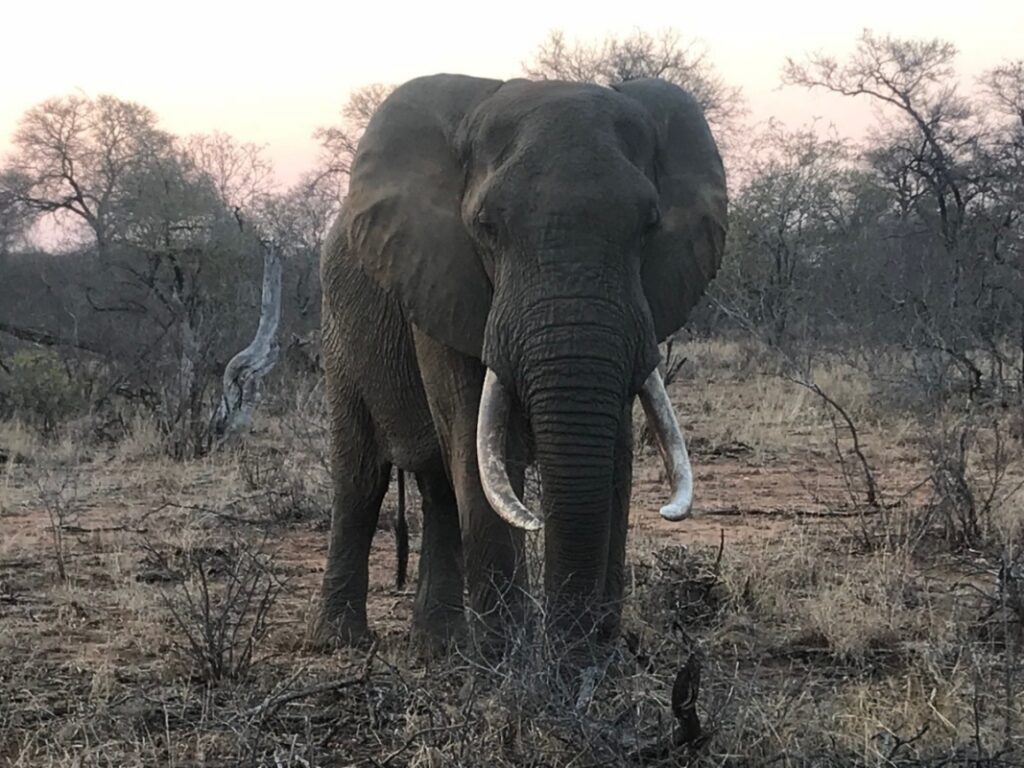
(653, 218)
(485, 222)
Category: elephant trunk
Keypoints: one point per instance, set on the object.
(575, 453)
(492, 426)
(574, 386)
(571, 364)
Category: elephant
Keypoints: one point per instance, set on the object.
(495, 286)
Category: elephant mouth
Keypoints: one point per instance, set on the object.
(492, 426)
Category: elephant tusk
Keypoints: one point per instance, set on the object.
(672, 446)
(491, 426)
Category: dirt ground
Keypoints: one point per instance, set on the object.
(819, 647)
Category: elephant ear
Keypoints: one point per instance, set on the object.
(684, 253)
(403, 210)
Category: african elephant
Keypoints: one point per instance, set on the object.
(494, 289)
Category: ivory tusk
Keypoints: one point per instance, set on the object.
(491, 429)
(671, 445)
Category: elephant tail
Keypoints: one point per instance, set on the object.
(401, 535)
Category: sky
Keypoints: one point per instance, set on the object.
(272, 73)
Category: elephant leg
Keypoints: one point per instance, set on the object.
(438, 609)
(495, 551)
(495, 570)
(615, 576)
(360, 483)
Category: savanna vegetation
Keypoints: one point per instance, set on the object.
(852, 390)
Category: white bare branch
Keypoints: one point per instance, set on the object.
(244, 374)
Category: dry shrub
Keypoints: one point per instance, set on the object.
(854, 387)
(283, 486)
(765, 412)
(911, 716)
(673, 589)
(537, 698)
(19, 443)
(797, 586)
(220, 606)
(37, 386)
(975, 474)
(285, 467)
(821, 656)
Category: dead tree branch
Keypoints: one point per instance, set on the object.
(244, 374)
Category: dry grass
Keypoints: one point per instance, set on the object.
(816, 649)
(747, 396)
(142, 441)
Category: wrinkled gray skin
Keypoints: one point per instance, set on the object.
(553, 232)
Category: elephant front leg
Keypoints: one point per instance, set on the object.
(438, 613)
(358, 494)
(492, 550)
(496, 569)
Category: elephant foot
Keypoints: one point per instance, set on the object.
(439, 629)
(495, 635)
(609, 624)
(344, 629)
(583, 635)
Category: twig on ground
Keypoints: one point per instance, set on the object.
(272, 704)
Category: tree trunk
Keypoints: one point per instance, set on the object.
(244, 374)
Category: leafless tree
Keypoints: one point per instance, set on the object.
(791, 209)
(80, 158)
(158, 245)
(951, 219)
(241, 174)
(642, 54)
(338, 142)
(1005, 86)
(244, 374)
(933, 134)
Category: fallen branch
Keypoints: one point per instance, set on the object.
(735, 511)
(47, 339)
(415, 737)
(68, 528)
(28, 563)
(272, 703)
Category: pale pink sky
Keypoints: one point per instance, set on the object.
(272, 73)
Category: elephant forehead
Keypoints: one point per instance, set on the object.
(534, 187)
(547, 117)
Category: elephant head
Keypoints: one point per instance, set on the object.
(557, 232)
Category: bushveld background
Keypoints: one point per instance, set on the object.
(852, 390)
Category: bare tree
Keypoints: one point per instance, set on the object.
(79, 158)
(934, 134)
(1004, 89)
(241, 173)
(1005, 86)
(1003, 168)
(338, 142)
(792, 209)
(244, 374)
(641, 54)
(952, 220)
(161, 255)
